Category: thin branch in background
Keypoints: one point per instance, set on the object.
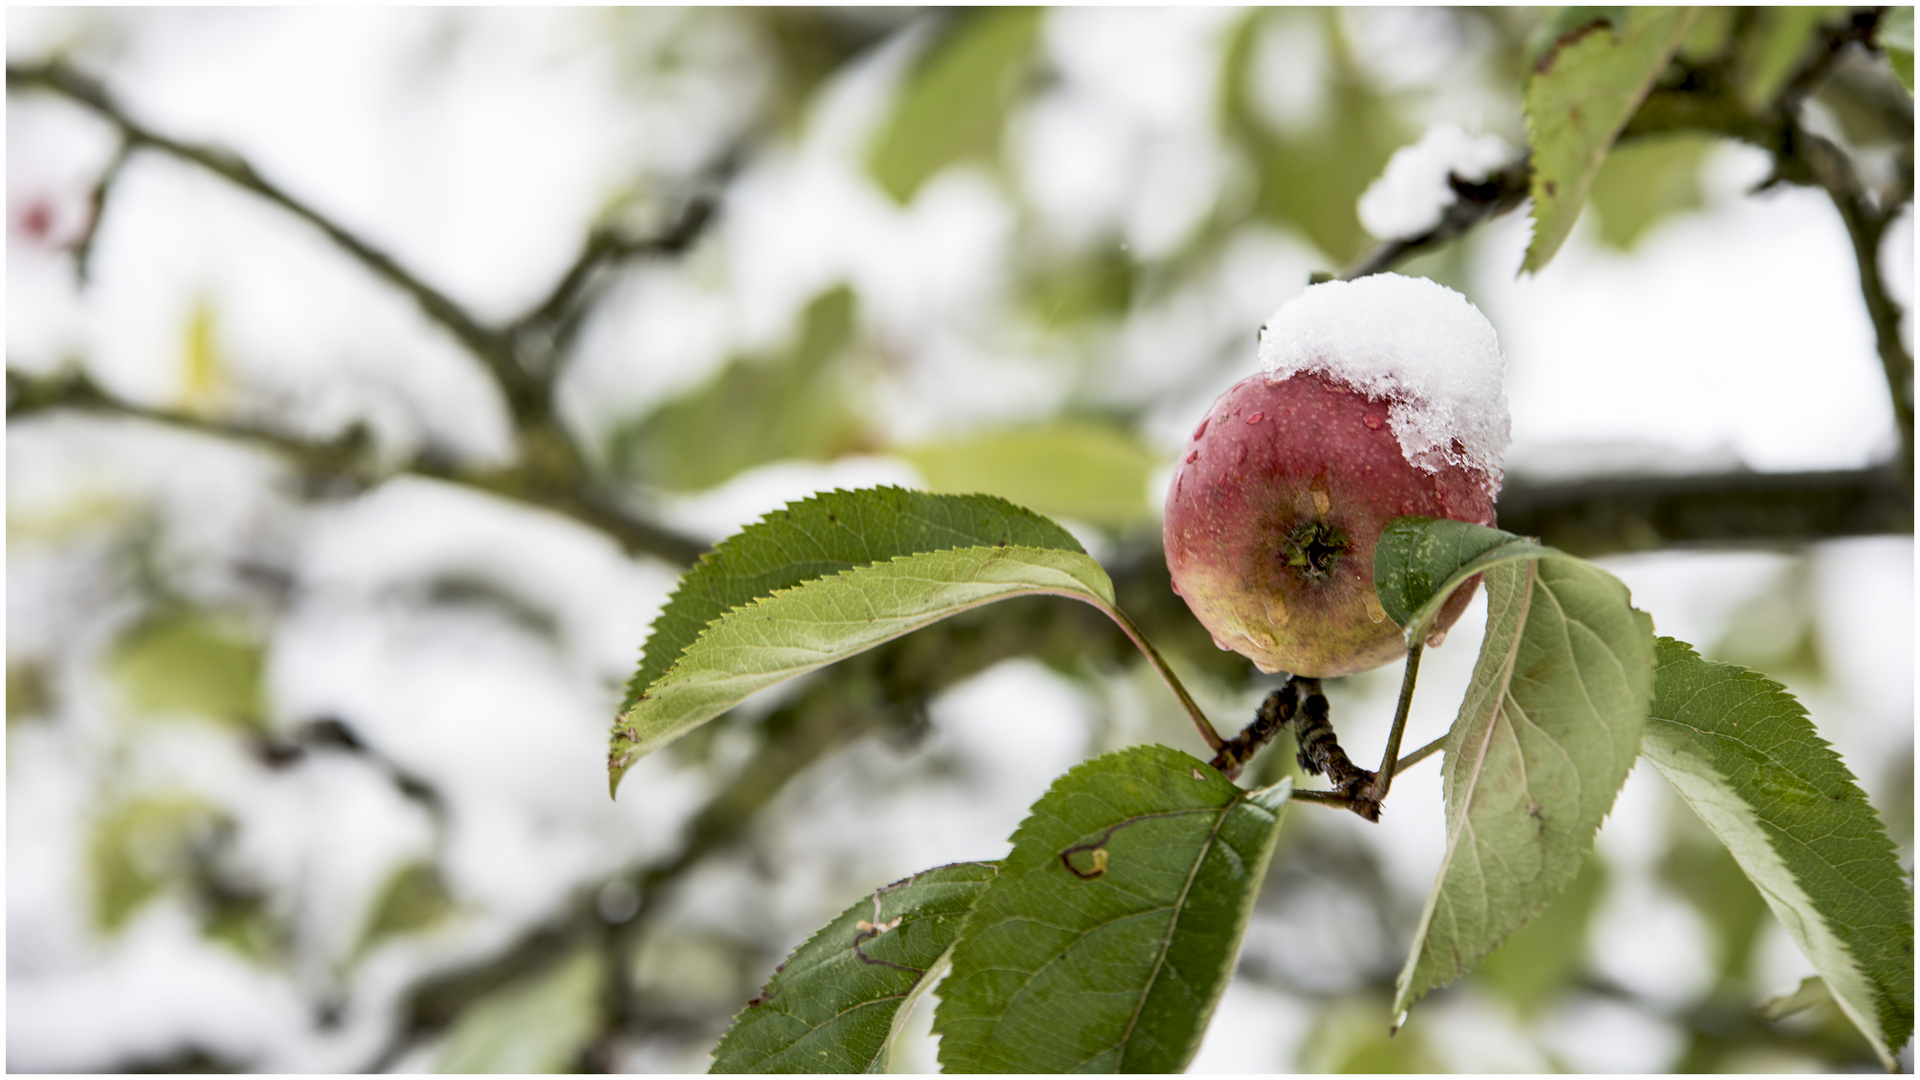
(552, 472)
(74, 390)
(346, 464)
(1866, 226)
(235, 170)
(97, 208)
(1474, 204)
(1705, 98)
(604, 247)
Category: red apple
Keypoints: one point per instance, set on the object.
(1274, 511)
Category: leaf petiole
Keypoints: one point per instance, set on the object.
(1200, 722)
(1420, 755)
(1389, 762)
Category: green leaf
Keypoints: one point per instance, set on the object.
(793, 403)
(1712, 31)
(1530, 968)
(1811, 992)
(1741, 751)
(824, 535)
(414, 898)
(1894, 36)
(191, 663)
(1647, 180)
(1091, 472)
(827, 619)
(1108, 936)
(1311, 175)
(1581, 94)
(835, 1004)
(1548, 730)
(1099, 284)
(538, 1025)
(1419, 562)
(1775, 48)
(29, 691)
(1563, 24)
(1346, 1036)
(1697, 866)
(142, 847)
(957, 99)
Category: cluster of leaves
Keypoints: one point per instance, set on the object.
(1103, 940)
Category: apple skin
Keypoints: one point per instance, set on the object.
(1272, 517)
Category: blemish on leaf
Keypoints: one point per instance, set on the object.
(1098, 859)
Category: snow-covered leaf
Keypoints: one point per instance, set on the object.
(826, 619)
(1108, 936)
(1582, 92)
(1741, 751)
(835, 1005)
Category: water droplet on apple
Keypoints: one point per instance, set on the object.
(1193, 456)
(1256, 418)
(1200, 431)
(1372, 422)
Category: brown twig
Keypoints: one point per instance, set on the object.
(1273, 714)
(1475, 203)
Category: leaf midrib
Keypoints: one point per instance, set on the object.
(1173, 927)
(1465, 828)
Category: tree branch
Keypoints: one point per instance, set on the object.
(488, 346)
(349, 458)
(520, 357)
(1866, 227)
(604, 247)
(1705, 98)
(1474, 204)
(1604, 515)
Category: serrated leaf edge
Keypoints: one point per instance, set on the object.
(713, 556)
(622, 752)
(1717, 799)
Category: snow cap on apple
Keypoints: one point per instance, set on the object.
(1377, 398)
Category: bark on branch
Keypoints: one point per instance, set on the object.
(1605, 515)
